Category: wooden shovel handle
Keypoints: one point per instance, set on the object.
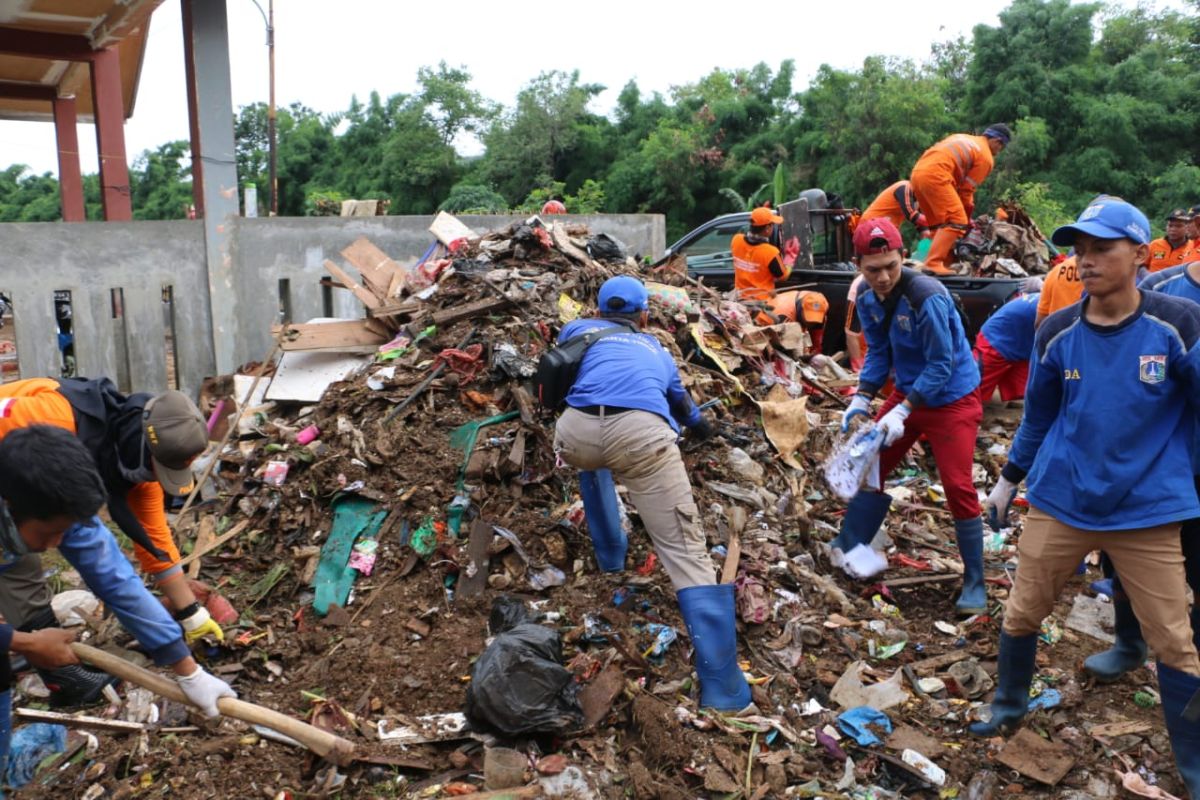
(334, 748)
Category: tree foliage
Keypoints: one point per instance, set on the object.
(1102, 99)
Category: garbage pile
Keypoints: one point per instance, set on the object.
(1008, 245)
(411, 570)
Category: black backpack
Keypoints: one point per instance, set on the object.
(558, 367)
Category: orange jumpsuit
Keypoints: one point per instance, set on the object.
(37, 401)
(1162, 255)
(1063, 287)
(944, 180)
(897, 203)
(756, 267)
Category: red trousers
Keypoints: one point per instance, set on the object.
(997, 371)
(950, 430)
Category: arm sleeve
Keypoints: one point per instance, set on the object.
(937, 346)
(131, 526)
(779, 270)
(683, 409)
(91, 549)
(146, 502)
(908, 203)
(980, 168)
(1043, 397)
(879, 357)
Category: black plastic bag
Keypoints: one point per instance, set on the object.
(507, 613)
(519, 686)
(605, 248)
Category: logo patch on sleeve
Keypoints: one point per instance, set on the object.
(6, 406)
(1152, 369)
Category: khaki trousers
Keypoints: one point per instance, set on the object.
(639, 448)
(1149, 561)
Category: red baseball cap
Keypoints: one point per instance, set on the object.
(871, 232)
(764, 216)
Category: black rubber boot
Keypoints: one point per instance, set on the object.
(74, 686)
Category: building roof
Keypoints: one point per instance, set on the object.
(45, 46)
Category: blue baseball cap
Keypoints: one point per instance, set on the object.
(1106, 218)
(623, 295)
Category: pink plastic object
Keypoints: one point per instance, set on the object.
(308, 434)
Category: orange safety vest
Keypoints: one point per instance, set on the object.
(965, 159)
(1162, 255)
(752, 268)
(1063, 287)
(896, 203)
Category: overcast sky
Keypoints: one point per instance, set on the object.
(325, 52)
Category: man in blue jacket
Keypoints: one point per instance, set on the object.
(1129, 650)
(1002, 348)
(914, 331)
(623, 414)
(50, 492)
(1105, 449)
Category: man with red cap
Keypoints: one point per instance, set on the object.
(944, 180)
(915, 334)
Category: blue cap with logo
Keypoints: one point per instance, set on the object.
(1106, 218)
(622, 295)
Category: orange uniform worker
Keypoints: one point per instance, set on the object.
(806, 307)
(758, 264)
(944, 180)
(897, 203)
(1063, 287)
(1175, 248)
(142, 444)
(1194, 228)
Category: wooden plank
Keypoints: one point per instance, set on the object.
(928, 666)
(921, 579)
(396, 307)
(377, 269)
(474, 578)
(451, 315)
(200, 552)
(71, 721)
(563, 242)
(338, 335)
(204, 537)
(368, 298)
(729, 568)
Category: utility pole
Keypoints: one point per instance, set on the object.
(273, 186)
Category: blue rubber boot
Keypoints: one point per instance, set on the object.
(864, 515)
(1181, 708)
(973, 599)
(1013, 675)
(603, 518)
(1128, 651)
(709, 615)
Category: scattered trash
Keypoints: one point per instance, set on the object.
(863, 723)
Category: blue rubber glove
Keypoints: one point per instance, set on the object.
(860, 405)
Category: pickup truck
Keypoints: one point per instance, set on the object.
(824, 264)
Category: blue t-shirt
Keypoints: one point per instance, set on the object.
(1177, 281)
(1010, 330)
(924, 343)
(1109, 416)
(630, 370)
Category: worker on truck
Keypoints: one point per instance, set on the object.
(898, 203)
(916, 337)
(944, 181)
(1106, 449)
(141, 445)
(1175, 248)
(50, 492)
(758, 265)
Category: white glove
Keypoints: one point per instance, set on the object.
(998, 502)
(1032, 284)
(204, 690)
(860, 404)
(892, 423)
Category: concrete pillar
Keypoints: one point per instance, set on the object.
(70, 178)
(109, 108)
(214, 162)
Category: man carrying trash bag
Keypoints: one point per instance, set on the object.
(914, 333)
(50, 492)
(1105, 447)
(623, 414)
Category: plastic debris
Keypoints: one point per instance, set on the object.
(931, 771)
(853, 462)
(861, 724)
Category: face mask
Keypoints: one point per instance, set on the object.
(11, 543)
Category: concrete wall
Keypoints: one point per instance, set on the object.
(91, 259)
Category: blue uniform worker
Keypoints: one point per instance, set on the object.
(1002, 348)
(623, 415)
(914, 333)
(1105, 447)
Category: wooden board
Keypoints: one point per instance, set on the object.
(204, 537)
(377, 269)
(563, 242)
(367, 297)
(453, 314)
(1034, 757)
(340, 335)
(474, 578)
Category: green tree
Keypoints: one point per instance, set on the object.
(160, 183)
